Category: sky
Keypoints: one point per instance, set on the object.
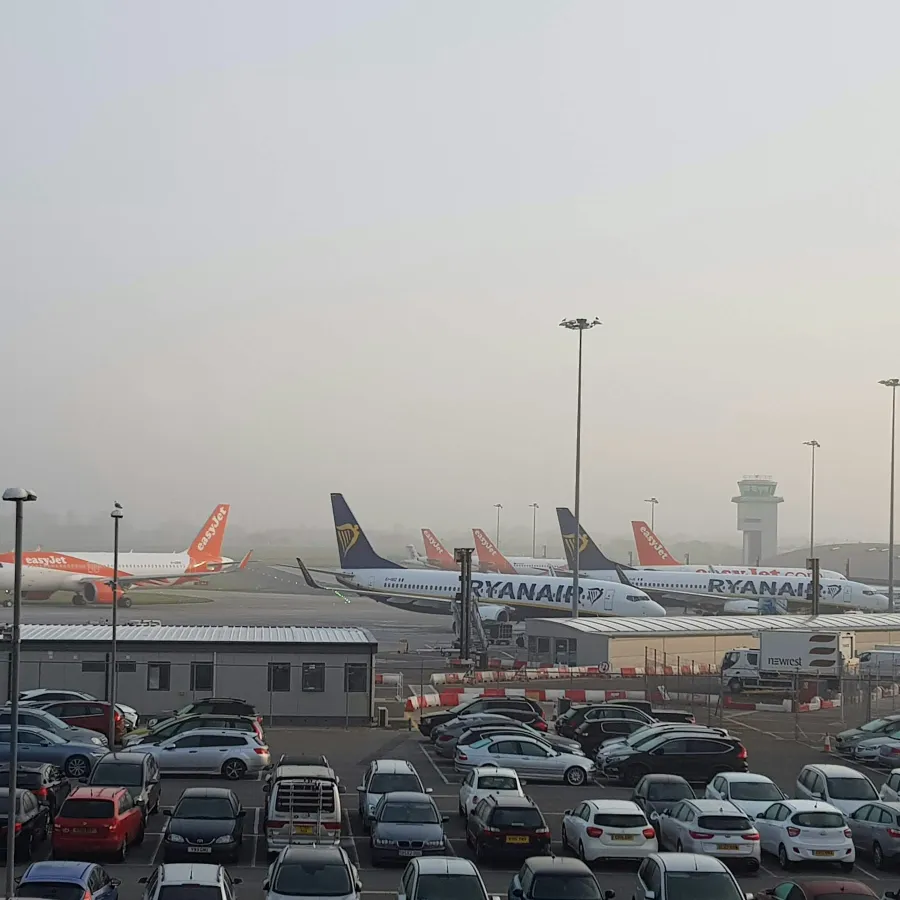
(256, 253)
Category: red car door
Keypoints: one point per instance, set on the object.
(130, 818)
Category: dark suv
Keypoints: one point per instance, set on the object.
(654, 793)
(567, 724)
(696, 758)
(507, 826)
(592, 733)
(503, 706)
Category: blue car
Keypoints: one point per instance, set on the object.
(64, 880)
(37, 745)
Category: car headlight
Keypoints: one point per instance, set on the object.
(225, 839)
(175, 838)
(439, 843)
(383, 842)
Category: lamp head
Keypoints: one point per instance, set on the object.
(579, 324)
(811, 444)
(890, 382)
(19, 495)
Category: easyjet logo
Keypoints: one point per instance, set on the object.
(435, 543)
(212, 528)
(45, 560)
(653, 542)
(483, 540)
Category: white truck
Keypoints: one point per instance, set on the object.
(785, 655)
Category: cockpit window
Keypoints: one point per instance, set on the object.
(634, 598)
(869, 593)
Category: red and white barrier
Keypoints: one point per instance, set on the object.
(390, 679)
(786, 705)
(452, 698)
(517, 672)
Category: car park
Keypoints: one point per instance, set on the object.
(313, 872)
(303, 805)
(505, 706)
(806, 831)
(201, 722)
(189, 881)
(47, 782)
(654, 793)
(31, 822)
(598, 830)
(35, 717)
(231, 754)
(137, 772)
(876, 832)
(529, 757)
(675, 876)
(102, 820)
(37, 745)
(406, 824)
(749, 792)
(67, 880)
(384, 776)
(555, 876)
(842, 787)
(206, 823)
(52, 695)
(507, 826)
(479, 783)
(442, 878)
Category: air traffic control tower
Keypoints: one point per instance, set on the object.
(757, 517)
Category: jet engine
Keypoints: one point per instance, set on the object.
(495, 613)
(101, 594)
(741, 608)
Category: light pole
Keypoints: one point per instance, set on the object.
(893, 384)
(813, 445)
(579, 325)
(534, 509)
(652, 501)
(20, 497)
(116, 516)
(498, 507)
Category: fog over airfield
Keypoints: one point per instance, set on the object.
(259, 252)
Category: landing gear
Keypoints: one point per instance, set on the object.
(79, 600)
(7, 601)
(125, 601)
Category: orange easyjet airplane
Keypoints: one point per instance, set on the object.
(89, 575)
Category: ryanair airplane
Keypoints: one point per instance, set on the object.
(500, 597)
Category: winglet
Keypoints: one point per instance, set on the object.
(245, 560)
(650, 549)
(490, 559)
(307, 576)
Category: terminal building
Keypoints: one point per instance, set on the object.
(757, 518)
(293, 675)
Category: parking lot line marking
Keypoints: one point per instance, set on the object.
(159, 844)
(867, 874)
(256, 817)
(427, 756)
(767, 871)
(350, 835)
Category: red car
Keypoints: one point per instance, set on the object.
(97, 820)
(90, 714)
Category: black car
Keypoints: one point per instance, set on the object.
(504, 706)
(654, 793)
(557, 742)
(511, 717)
(678, 716)
(556, 876)
(567, 724)
(228, 706)
(697, 758)
(507, 826)
(591, 733)
(138, 772)
(31, 821)
(206, 825)
(47, 782)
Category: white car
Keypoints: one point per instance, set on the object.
(608, 829)
(488, 780)
(711, 828)
(211, 881)
(806, 831)
(890, 790)
(749, 792)
(841, 786)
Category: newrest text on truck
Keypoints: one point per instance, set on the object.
(785, 655)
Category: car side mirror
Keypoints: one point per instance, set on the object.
(403, 897)
(429, 790)
(517, 892)
(608, 895)
(143, 879)
(567, 812)
(115, 882)
(445, 818)
(265, 884)
(18, 878)
(242, 813)
(361, 788)
(237, 880)
(816, 795)
(357, 885)
(667, 811)
(649, 895)
(167, 812)
(267, 788)
(522, 782)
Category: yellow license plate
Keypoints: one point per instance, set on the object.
(823, 852)
(728, 846)
(621, 837)
(515, 839)
(304, 829)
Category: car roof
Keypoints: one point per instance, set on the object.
(207, 792)
(569, 864)
(287, 772)
(393, 765)
(59, 870)
(124, 756)
(833, 771)
(705, 805)
(508, 800)
(199, 873)
(408, 797)
(689, 862)
(614, 806)
(744, 776)
(656, 777)
(836, 886)
(444, 865)
(88, 792)
(495, 770)
(809, 806)
(220, 700)
(220, 732)
(312, 852)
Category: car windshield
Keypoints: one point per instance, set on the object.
(204, 808)
(723, 823)
(387, 783)
(51, 890)
(525, 817)
(118, 774)
(313, 879)
(449, 887)
(620, 820)
(755, 790)
(87, 809)
(878, 725)
(669, 790)
(851, 789)
(190, 892)
(570, 887)
(417, 813)
(690, 885)
(497, 783)
(818, 820)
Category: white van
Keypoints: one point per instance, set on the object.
(303, 807)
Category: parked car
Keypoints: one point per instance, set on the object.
(91, 715)
(384, 776)
(674, 716)
(841, 786)
(875, 828)
(806, 831)
(654, 793)
(713, 828)
(214, 706)
(698, 758)
(674, 876)
(170, 727)
(592, 733)
(303, 805)
(98, 820)
(869, 750)
(505, 706)
(31, 822)
(207, 823)
(888, 755)
(846, 741)
(46, 781)
(507, 826)
(65, 880)
(608, 829)
(232, 754)
(50, 695)
(555, 876)
(890, 790)
(563, 745)
(312, 872)
(749, 792)
(37, 745)
(528, 756)
(433, 877)
(35, 717)
(568, 723)
(644, 736)
(826, 889)
(451, 730)
(491, 780)
(137, 772)
(198, 881)
(406, 824)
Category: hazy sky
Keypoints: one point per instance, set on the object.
(257, 252)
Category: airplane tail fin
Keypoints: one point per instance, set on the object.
(245, 560)
(435, 552)
(590, 556)
(650, 549)
(490, 559)
(208, 543)
(354, 549)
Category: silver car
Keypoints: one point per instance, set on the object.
(233, 754)
(528, 756)
(845, 741)
(442, 876)
(406, 825)
(869, 750)
(312, 872)
(876, 827)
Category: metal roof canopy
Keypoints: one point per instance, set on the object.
(710, 625)
(200, 634)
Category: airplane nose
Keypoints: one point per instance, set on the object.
(654, 609)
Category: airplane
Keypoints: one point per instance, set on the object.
(490, 559)
(747, 593)
(653, 555)
(364, 572)
(90, 575)
(437, 556)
